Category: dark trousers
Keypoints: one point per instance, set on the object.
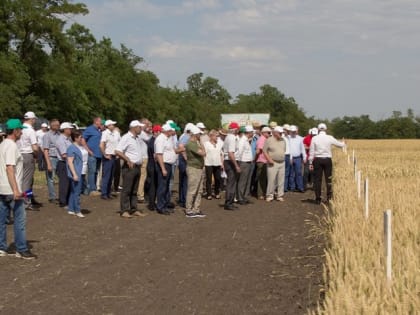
(322, 166)
(295, 177)
(243, 178)
(287, 170)
(307, 176)
(231, 181)
(213, 171)
(151, 182)
(107, 176)
(262, 179)
(128, 196)
(63, 183)
(163, 194)
(117, 173)
(183, 180)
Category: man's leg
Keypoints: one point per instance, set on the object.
(286, 172)
(328, 177)
(135, 188)
(318, 178)
(230, 184)
(50, 179)
(298, 174)
(19, 225)
(63, 183)
(162, 183)
(128, 178)
(91, 173)
(106, 176)
(5, 201)
(142, 180)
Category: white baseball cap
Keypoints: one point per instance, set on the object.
(44, 125)
(293, 128)
(286, 127)
(322, 126)
(135, 123)
(279, 129)
(167, 127)
(66, 125)
(188, 127)
(266, 129)
(109, 122)
(195, 130)
(200, 125)
(29, 115)
(314, 131)
(249, 128)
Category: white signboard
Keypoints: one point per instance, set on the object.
(245, 118)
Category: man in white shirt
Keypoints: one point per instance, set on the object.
(297, 159)
(129, 150)
(11, 192)
(50, 156)
(166, 157)
(245, 159)
(40, 133)
(108, 144)
(28, 147)
(320, 160)
(145, 136)
(231, 165)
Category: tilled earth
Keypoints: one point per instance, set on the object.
(261, 259)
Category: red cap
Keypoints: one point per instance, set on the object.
(233, 125)
(157, 128)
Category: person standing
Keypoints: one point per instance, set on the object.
(262, 163)
(151, 168)
(195, 157)
(40, 133)
(129, 150)
(28, 147)
(145, 136)
(307, 174)
(182, 165)
(11, 192)
(320, 161)
(91, 139)
(231, 166)
(108, 144)
(62, 144)
(74, 173)
(274, 151)
(165, 159)
(288, 166)
(297, 158)
(245, 159)
(50, 155)
(213, 162)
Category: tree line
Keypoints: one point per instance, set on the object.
(60, 70)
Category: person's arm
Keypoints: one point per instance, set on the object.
(70, 163)
(10, 170)
(267, 155)
(159, 159)
(121, 155)
(337, 143)
(302, 149)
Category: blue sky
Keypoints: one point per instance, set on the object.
(335, 57)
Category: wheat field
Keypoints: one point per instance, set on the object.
(354, 272)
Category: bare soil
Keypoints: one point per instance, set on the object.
(260, 259)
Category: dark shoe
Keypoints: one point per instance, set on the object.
(318, 201)
(191, 215)
(163, 212)
(31, 207)
(230, 208)
(151, 207)
(200, 214)
(26, 255)
(36, 203)
(171, 205)
(104, 198)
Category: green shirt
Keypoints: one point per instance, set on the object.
(193, 158)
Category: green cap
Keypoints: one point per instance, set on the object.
(242, 129)
(14, 123)
(175, 126)
(103, 121)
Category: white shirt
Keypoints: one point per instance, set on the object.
(111, 139)
(130, 145)
(27, 139)
(39, 137)
(166, 147)
(286, 140)
(244, 150)
(296, 147)
(230, 145)
(213, 153)
(10, 155)
(85, 157)
(321, 146)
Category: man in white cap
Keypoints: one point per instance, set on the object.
(108, 144)
(274, 151)
(297, 159)
(62, 144)
(320, 160)
(165, 160)
(29, 148)
(129, 151)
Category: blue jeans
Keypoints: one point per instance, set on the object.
(287, 170)
(6, 204)
(94, 164)
(183, 181)
(163, 193)
(295, 177)
(74, 196)
(50, 178)
(107, 176)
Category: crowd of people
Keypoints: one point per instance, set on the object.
(261, 161)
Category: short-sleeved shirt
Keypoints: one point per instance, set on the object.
(27, 139)
(260, 145)
(244, 150)
(49, 142)
(92, 136)
(40, 136)
(276, 149)
(166, 147)
(111, 139)
(230, 145)
(195, 160)
(130, 145)
(10, 155)
(74, 152)
(62, 144)
(213, 153)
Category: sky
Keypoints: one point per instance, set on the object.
(334, 57)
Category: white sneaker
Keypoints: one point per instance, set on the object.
(71, 212)
(280, 199)
(269, 198)
(80, 215)
(3, 253)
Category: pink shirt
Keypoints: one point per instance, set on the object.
(260, 145)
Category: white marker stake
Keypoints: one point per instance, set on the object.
(355, 169)
(366, 198)
(353, 157)
(359, 180)
(348, 159)
(388, 244)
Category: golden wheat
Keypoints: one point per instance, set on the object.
(354, 270)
